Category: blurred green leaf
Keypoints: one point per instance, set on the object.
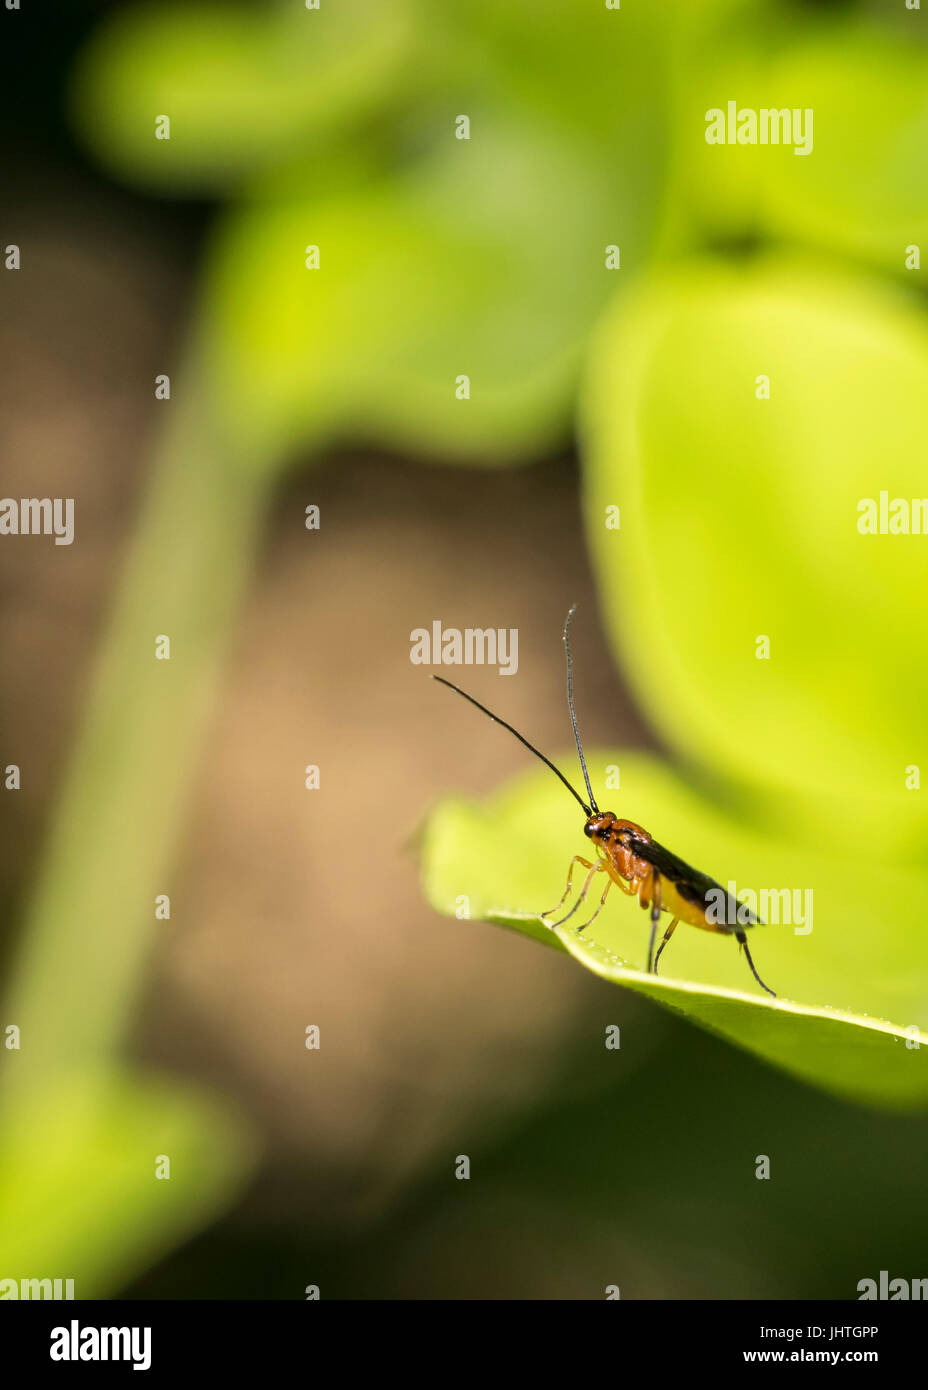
(79, 1198)
(863, 189)
(601, 73)
(739, 520)
(484, 259)
(246, 85)
(505, 860)
(243, 85)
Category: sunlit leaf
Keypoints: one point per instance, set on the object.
(739, 522)
(79, 1196)
(862, 187)
(851, 991)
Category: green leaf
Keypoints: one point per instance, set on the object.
(79, 1196)
(739, 521)
(504, 861)
(484, 259)
(863, 188)
(243, 86)
(440, 258)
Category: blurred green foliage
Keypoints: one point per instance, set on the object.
(244, 85)
(79, 1195)
(740, 519)
(438, 257)
(863, 191)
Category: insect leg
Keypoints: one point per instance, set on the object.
(602, 902)
(629, 886)
(577, 859)
(594, 869)
(655, 915)
(743, 943)
(667, 935)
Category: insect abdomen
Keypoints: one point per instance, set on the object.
(711, 909)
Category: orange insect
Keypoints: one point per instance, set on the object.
(633, 860)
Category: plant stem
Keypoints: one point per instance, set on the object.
(91, 922)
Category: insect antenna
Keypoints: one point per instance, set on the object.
(524, 741)
(570, 703)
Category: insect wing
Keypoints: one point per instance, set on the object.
(694, 886)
